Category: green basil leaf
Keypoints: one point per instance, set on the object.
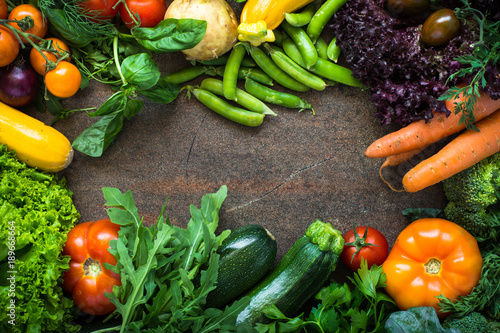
(171, 35)
(117, 102)
(140, 70)
(133, 107)
(163, 92)
(96, 138)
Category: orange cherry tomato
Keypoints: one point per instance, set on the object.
(87, 280)
(432, 257)
(39, 63)
(40, 23)
(4, 10)
(9, 46)
(64, 80)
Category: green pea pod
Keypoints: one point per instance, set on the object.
(324, 68)
(185, 74)
(275, 97)
(254, 73)
(225, 109)
(271, 69)
(243, 98)
(230, 76)
(333, 50)
(321, 47)
(294, 70)
(302, 18)
(322, 16)
(305, 44)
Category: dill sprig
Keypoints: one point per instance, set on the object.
(486, 52)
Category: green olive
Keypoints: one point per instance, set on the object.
(440, 27)
(407, 7)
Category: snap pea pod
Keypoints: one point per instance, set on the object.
(231, 69)
(225, 109)
(302, 18)
(321, 18)
(324, 68)
(270, 68)
(303, 42)
(275, 97)
(321, 47)
(254, 73)
(294, 70)
(243, 98)
(186, 74)
(333, 50)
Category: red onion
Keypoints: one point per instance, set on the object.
(19, 84)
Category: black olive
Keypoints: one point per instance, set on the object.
(407, 7)
(440, 27)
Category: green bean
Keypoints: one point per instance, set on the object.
(322, 16)
(225, 109)
(243, 98)
(230, 76)
(333, 50)
(294, 70)
(321, 47)
(271, 69)
(254, 73)
(304, 43)
(185, 74)
(324, 68)
(302, 18)
(275, 97)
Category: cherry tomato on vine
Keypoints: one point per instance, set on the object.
(87, 279)
(40, 23)
(4, 10)
(150, 12)
(37, 60)
(98, 10)
(366, 243)
(9, 46)
(64, 80)
(440, 27)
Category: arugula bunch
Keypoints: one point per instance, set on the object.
(365, 308)
(167, 271)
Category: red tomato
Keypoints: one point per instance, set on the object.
(87, 280)
(150, 12)
(98, 10)
(40, 23)
(367, 243)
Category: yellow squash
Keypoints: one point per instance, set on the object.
(260, 17)
(35, 143)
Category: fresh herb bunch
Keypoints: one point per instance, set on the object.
(167, 271)
(365, 308)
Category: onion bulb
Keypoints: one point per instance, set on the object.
(19, 84)
(222, 26)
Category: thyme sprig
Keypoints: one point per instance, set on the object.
(486, 52)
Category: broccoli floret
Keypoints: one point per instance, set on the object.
(472, 195)
(474, 322)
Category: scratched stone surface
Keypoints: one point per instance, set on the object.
(293, 169)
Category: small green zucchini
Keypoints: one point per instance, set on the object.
(246, 255)
(298, 276)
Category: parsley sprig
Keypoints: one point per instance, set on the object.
(486, 53)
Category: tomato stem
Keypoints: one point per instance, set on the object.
(433, 266)
(92, 267)
(359, 242)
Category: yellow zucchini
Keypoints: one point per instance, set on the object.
(35, 143)
(260, 17)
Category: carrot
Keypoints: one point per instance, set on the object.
(464, 151)
(421, 134)
(395, 160)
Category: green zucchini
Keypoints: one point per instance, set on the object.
(298, 276)
(246, 255)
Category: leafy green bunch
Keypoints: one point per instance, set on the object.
(364, 308)
(167, 271)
